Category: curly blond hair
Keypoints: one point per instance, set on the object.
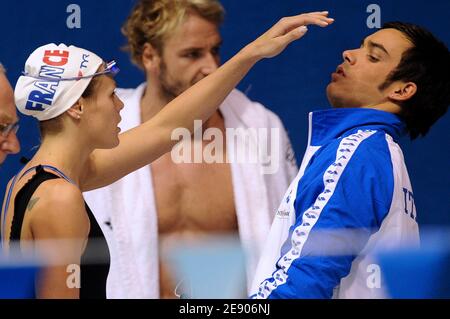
(152, 21)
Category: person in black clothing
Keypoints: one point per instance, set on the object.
(71, 92)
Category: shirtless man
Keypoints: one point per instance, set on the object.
(176, 44)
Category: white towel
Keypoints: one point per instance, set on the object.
(129, 204)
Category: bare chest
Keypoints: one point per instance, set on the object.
(193, 197)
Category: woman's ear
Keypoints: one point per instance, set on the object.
(77, 110)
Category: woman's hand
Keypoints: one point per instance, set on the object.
(287, 30)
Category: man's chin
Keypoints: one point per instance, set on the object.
(333, 98)
(337, 102)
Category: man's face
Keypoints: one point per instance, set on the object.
(8, 144)
(189, 55)
(357, 81)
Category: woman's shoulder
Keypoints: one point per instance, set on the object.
(58, 209)
(59, 191)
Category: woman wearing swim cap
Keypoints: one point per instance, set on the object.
(71, 92)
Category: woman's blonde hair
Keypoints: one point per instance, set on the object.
(152, 21)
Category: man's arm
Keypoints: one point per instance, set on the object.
(152, 139)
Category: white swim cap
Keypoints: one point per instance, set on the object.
(53, 80)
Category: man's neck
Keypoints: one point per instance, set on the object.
(153, 101)
(387, 107)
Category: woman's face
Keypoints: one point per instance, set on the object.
(102, 113)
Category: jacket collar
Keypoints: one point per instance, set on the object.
(326, 125)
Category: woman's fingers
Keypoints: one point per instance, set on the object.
(287, 30)
(287, 24)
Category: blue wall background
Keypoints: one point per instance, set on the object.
(291, 85)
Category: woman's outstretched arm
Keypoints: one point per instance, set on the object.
(147, 142)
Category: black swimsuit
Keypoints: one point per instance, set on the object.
(95, 259)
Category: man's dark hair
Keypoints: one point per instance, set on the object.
(427, 64)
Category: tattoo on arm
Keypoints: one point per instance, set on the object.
(32, 202)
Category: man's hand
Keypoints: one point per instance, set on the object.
(287, 30)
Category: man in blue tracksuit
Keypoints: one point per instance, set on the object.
(352, 194)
